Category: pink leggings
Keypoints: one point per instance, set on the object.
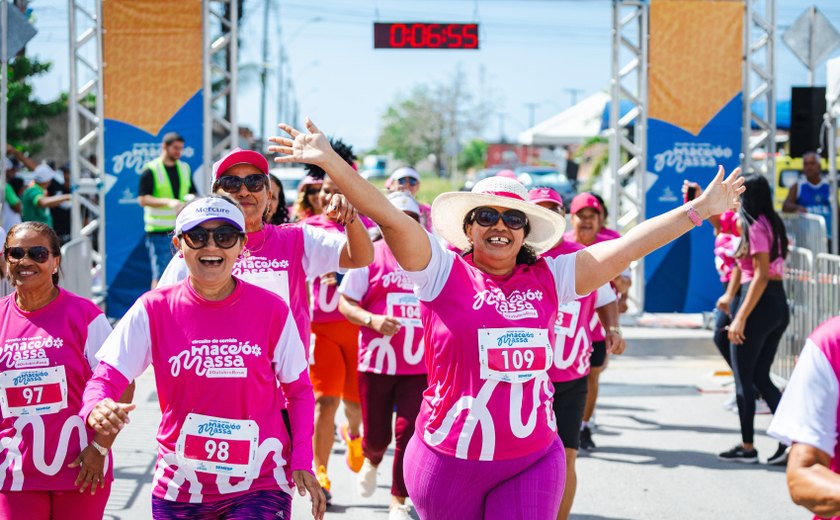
(443, 487)
(54, 505)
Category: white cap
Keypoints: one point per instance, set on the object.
(43, 173)
(205, 209)
(401, 173)
(7, 164)
(403, 201)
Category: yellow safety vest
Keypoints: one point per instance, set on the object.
(163, 219)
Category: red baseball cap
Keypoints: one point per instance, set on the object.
(240, 156)
(545, 195)
(585, 200)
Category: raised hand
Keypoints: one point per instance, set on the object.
(310, 148)
(722, 195)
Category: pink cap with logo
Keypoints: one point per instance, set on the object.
(545, 195)
(240, 156)
(583, 201)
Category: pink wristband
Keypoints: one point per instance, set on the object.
(693, 216)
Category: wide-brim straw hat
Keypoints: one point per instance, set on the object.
(449, 210)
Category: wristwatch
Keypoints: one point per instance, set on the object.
(616, 330)
(368, 320)
(98, 447)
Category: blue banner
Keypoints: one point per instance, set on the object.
(681, 276)
(127, 150)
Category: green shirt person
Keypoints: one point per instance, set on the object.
(36, 204)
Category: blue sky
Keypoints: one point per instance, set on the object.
(532, 51)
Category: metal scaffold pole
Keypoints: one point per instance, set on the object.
(759, 148)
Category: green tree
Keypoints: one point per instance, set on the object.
(474, 155)
(433, 120)
(27, 117)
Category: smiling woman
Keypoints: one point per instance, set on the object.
(217, 371)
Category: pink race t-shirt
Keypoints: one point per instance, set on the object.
(325, 297)
(761, 240)
(573, 332)
(809, 412)
(726, 244)
(280, 259)
(598, 332)
(489, 344)
(45, 362)
(217, 366)
(384, 288)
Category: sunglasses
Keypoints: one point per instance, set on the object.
(486, 217)
(232, 184)
(313, 191)
(38, 253)
(411, 181)
(225, 237)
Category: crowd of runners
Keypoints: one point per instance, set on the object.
(471, 333)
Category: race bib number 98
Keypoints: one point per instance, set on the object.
(217, 445)
(36, 391)
(513, 355)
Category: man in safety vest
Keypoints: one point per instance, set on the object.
(165, 185)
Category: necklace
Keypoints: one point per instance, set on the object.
(248, 250)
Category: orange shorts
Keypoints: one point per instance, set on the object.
(334, 360)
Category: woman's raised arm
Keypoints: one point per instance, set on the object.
(406, 238)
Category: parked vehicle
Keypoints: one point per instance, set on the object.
(539, 176)
(290, 179)
(375, 167)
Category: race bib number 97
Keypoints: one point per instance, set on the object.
(513, 355)
(217, 445)
(37, 391)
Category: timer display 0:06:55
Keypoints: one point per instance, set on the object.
(423, 35)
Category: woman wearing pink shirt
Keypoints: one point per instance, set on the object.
(219, 347)
(49, 339)
(392, 375)
(485, 443)
(761, 314)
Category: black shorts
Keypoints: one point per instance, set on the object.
(569, 402)
(599, 354)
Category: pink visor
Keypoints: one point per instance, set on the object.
(545, 195)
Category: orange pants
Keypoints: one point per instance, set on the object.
(334, 360)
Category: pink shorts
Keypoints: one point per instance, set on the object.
(53, 505)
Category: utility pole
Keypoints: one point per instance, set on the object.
(264, 69)
(502, 137)
(532, 107)
(573, 93)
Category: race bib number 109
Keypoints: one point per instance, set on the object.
(513, 355)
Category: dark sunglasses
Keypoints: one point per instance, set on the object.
(411, 181)
(486, 217)
(233, 184)
(38, 253)
(313, 191)
(225, 237)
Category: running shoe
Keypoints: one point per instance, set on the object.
(779, 458)
(586, 439)
(366, 481)
(399, 512)
(739, 454)
(324, 481)
(355, 458)
(731, 404)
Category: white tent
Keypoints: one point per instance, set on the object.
(570, 126)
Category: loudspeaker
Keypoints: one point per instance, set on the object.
(806, 116)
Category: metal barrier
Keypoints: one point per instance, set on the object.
(806, 231)
(812, 286)
(76, 267)
(799, 289)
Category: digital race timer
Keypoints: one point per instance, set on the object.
(424, 35)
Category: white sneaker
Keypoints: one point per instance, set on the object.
(731, 403)
(761, 407)
(399, 512)
(366, 480)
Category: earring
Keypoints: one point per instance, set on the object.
(180, 254)
(55, 270)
